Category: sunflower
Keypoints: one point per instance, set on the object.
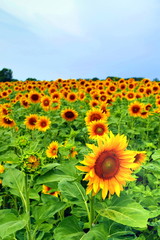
(93, 103)
(6, 121)
(48, 190)
(1, 168)
(69, 114)
(81, 96)
(135, 109)
(46, 103)
(109, 166)
(94, 114)
(130, 95)
(56, 95)
(72, 97)
(139, 158)
(97, 129)
(52, 150)
(24, 102)
(32, 162)
(104, 109)
(31, 121)
(144, 114)
(43, 123)
(34, 97)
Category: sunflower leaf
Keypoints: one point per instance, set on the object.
(124, 210)
(68, 229)
(73, 192)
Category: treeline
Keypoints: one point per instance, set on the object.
(6, 75)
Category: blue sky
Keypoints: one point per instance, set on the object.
(51, 39)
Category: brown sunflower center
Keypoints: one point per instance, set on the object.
(95, 117)
(72, 97)
(43, 124)
(46, 102)
(69, 114)
(35, 97)
(8, 121)
(107, 165)
(135, 109)
(99, 130)
(32, 121)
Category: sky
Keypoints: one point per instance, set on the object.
(71, 39)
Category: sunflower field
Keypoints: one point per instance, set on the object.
(80, 160)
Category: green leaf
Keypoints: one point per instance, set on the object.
(9, 156)
(10, 223)
(14, 179)
(48, 167)
(73, 192)
(68, 229)
(42, 213)
(53, 176)
(124, 210)
(156, 155)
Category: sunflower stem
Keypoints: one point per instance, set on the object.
(91, 218)
(27, 209)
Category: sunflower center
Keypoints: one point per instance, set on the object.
(43, 124)
(106, 165)
(7, 121)
(32, 121)
(99, 130)
(69, 114)
(35, 97)
(46, 102)
(136, 109)
(95, 117)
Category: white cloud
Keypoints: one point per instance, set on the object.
(45, 16)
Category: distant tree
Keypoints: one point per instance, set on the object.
(31, 79)
(95, 79)
(5, 75)
(156, 80)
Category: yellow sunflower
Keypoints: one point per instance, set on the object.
(52, 150)
(135, 108)
(94, 114)
(97, 129)
(72, 97)
(34, 97)
(46, 103)
(69, 114)
(31, 121)
(6, 121)
(109, 166)
(43, 123)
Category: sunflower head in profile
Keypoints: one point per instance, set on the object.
(1, 168)
(109, 166)
(69, 114)
(52, 150)
(94, 114)
(7, 122)
(34, 97)
(43, 123)
(139, 158)
(135, 108)
(48, 190)
(97, 129)
(31, 121)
